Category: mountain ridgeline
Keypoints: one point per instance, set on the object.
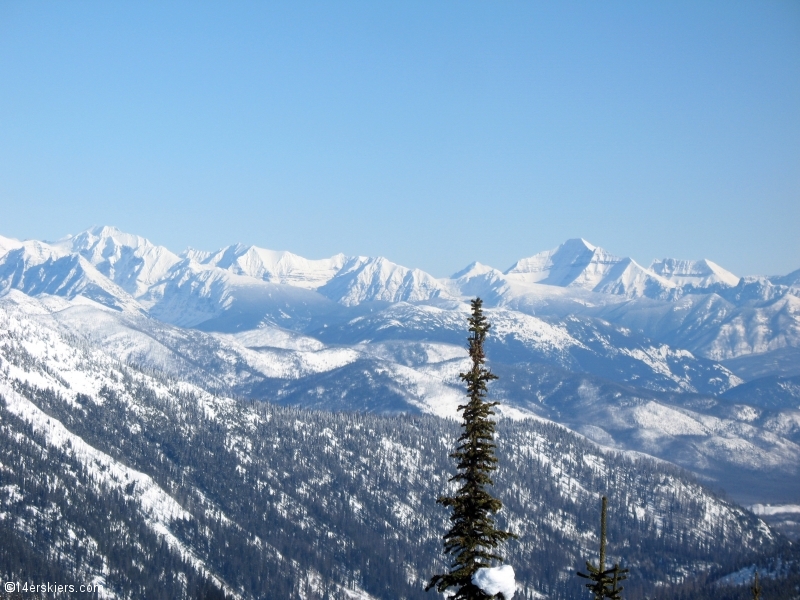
(249, 423)
(645, 359)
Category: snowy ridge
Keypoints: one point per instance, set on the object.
(577, 263)
(791, 280)
(275, 267)
(478, 280)
(697, 306)
(363, 279)
(38, 268)
(138, 393)
(564, 265)
(422, 376)
(155, 502)
(366, 334)
(132, 262)
(194, 294)
(693, 273)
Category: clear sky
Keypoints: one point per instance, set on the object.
(434, 133)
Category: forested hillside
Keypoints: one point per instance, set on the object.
(151, 478)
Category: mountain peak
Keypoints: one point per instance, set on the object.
(580, 242)
(363, 279)
(275, 266)
(579, 264)
(693, 273)
(473, 270)
(131, 261)
(562, 265)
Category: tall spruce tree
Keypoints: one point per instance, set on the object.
(604, 583)
(473, 536)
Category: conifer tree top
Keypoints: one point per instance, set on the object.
(473, 537)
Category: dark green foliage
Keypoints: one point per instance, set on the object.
(473, 536)
(604, 582)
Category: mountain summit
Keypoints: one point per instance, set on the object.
(577, 263)
(131, 261)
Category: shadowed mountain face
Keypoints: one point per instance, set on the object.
(781, 362)
(771, 393)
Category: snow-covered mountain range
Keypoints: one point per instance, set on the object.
(635, 358)
(132, 376)
(115, 475)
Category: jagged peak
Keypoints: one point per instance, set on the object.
(104, 233)
(580, 242)
(35, 252)
(196, 255)
(475, 269)
(698, 273)
(570, 252)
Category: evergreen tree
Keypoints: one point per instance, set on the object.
(604, 583)
(473, 536)
(756, 589)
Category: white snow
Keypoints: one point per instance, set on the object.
(38, 268)
(774, 509)
(695, 273)
(7, 244)
(577, 263)
(363, 279)
(274, 337)
(496, 580)
(131, 261)
(274, 266)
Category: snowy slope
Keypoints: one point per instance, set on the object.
(748, 319)
(744, 448)
(774, 393)
(791, 280)
(273, 266)
(202, 470)
(378, 363)
(697, 274)
(363, 279)
(577, 263)
(132, 262)
(217, 362)
(581, 345)
(37, 268)
(196, 294)
(7, 244)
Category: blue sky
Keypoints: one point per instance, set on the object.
(432, 133)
